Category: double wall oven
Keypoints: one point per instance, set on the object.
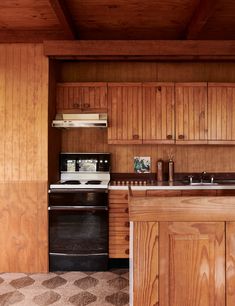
(78, 213)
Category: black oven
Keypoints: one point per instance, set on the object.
(78, 231)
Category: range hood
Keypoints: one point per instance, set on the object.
(80, 120)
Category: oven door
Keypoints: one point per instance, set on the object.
(78, 230)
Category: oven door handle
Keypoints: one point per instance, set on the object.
(77, 208)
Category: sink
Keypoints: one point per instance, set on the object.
(203, 184)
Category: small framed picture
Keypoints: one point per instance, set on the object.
(142, 164)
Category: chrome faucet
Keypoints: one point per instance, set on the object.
(203, 174)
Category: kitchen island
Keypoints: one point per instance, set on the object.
(183, 250)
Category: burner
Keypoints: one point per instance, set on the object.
(94, 182)
(73, 182)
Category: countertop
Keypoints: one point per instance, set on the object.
(176, 185)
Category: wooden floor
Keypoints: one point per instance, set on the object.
(65, 288)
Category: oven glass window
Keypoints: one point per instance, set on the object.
(78, 232)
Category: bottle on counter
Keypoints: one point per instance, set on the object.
(170, 170)
(160, 170)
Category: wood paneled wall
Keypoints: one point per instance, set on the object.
(23, 158)
(188, 158)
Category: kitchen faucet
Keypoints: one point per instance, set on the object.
(203, 174)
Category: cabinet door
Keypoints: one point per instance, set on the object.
(81, 97)
(158, 113)
(192, 264)
(191, 113)
(118, 224)
(221, 113)
(230, 263)
(125, 113)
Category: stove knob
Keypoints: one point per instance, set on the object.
(123, 182)
(131, 182)
(140, 182)
(144, 183)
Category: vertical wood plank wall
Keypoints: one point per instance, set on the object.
(23, 158)
(188, 158)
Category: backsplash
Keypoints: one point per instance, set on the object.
(188, 158)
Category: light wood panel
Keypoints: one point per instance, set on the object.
(24, 112)
(158, 113)
(23, 158)
(145, 250)
(125, 112)
(192, 264)
(221, 113)
(230, 263)
(191, 113)
(24, 227)
(199, 208)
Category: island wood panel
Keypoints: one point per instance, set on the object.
(191, 113)
(24, 112)
(125, 113)
(230, 263)
(158, 113)
(192, 208)
(221, 113)
(24, 227)
(145, 263)
(85, 97)
(192, 263)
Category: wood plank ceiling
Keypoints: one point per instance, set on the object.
(39, 20)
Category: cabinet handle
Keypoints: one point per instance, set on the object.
(181, 136)
(127, 237)
(76, 104)
(127, 251)
(159, 88)
(86, 105)
(127, 224)
(126, 210)
(135, 136)
(169, 136)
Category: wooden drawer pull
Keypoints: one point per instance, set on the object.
(136, 136)
(169, 136)
(127, 238)
(86, 105)
(127, 251)
(181, 136)
(75, 104)
(127, 224)
(127, 210)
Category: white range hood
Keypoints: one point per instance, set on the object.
(80, 120)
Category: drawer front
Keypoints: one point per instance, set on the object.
(199, 192)
(163, 193)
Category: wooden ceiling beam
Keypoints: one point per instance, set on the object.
(64, 18)
(30, 36)
(200, 17)
(145, 49)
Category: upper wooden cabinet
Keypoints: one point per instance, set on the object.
(125, 113)
(81, 97)
(221, 113)
(158, 113)
(191, 113)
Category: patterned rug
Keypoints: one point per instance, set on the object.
(65, 288)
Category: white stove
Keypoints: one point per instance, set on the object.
(83, 171)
